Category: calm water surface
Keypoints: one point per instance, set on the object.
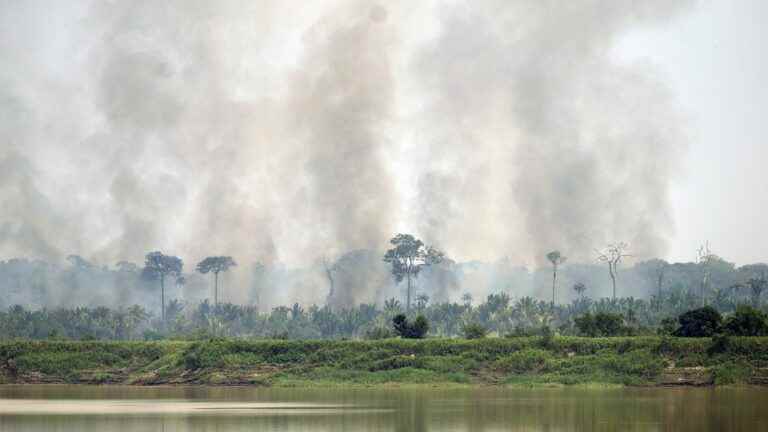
(113, 408)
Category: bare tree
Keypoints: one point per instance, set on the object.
(704, 258)
(612, 255)
(556, 259)
(330, 272)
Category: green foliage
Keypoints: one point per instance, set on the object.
(701, 322)
(667, 326)
(377, 333)
(215, 264)
(474, 331)
(547, 337)
(397, 362)
(416, 330)
(731, 372)
(602, 324)
(565, 360)
(747, 321)
(524, 361)
(720, 344)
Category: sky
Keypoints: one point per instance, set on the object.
(714, 60)
(282, 134)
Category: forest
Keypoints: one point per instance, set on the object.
(159, 300)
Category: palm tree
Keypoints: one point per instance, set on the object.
(579, 287)
(392, 306)
(158, 266)
(556, 259)
(467, 299)
(215, 265)
(421, 302)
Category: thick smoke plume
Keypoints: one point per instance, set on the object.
(281, 134)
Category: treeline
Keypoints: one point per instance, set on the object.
(363, 277)
(497, 313)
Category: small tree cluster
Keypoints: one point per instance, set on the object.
(416, 330)
(746, 321)
(474, 331)
(701, 322)
(601, 324)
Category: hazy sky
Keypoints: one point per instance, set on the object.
(490, 128)
(715, 60)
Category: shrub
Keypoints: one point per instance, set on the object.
(701, 322)
(547, 337)
(406, 330)
(601, 324)
(377, 333)
(528, 360)
(731, 372)
(520, 331)
(746, 321)
(474, 331)
(720, 344)
(397, 362)
(667, 327)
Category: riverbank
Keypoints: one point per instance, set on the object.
(528, 361)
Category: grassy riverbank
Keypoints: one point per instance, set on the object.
(492, 361)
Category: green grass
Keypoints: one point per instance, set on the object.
(527, 361)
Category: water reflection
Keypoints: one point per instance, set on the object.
(108, 408)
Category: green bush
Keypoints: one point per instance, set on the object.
(701, 322)
(525, 361)
(416, 330)
(474, 331)
(720, 344)
(547, 337)
(377, 333)
(747, 321)
(731, 372)
(602, 324)
(397, 362)
(667, 327)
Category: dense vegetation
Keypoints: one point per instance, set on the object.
(497, 315)
(523, 360)
(698, 299)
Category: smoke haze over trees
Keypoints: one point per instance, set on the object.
(494, 130)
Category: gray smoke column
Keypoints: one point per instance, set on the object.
(279, 134)
(341, 101)
(537, 139)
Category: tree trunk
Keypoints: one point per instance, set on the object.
(162, 296)
(408, 294)
(613, 279)
(216, 288)
(661, 283)
(554, 282)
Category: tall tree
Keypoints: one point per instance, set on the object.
(704, 258)
(580, 287)
(408, 257)
(654, 271)
(612, 255)
(556, 258)
(158, 266)
(215, 265)
(331, 268)
(754, 277)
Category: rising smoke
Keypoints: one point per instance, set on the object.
(279, 134)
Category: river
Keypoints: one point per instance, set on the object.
(225, 409)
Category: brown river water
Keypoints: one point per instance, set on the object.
(225, 409)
